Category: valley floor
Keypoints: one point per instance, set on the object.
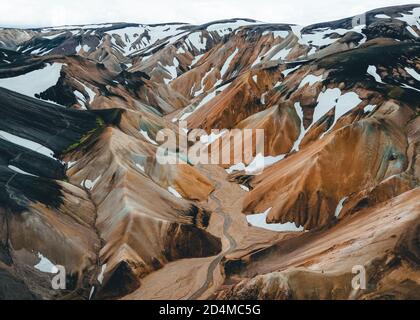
(200, 278)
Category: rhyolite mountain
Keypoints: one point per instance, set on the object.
(81, 187)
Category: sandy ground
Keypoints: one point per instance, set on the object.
(199, 278)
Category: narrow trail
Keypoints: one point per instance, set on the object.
(93, 289)
(232, 243)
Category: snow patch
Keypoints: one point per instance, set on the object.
(140, 167)
(311, 80)
(258, 164)
(320, 37)
(130, 36)
(89, 184)
(287, 71)
(413, 73)
(263, 96)
(196, 59)
(327, 100)
(27, 144)
(197, 41)
(411, 30)
(81, 97)
(181, 50)
(90, 92)
(71, 164)
(406, 86)
(226, 28)
(171, 70)
(298, 141)
(412, 19)
(80, 27)
(145, 134)
(101, 275)
(228, 61)
(312, 51)
(174, 192)
(372, 71)
(45, 265)
(53, 36)
(344, 104)
(260, 221)
(86, 48)
(34, 82)
(16, 169)
(297, 31)
(92, 290)
(277, 34)
(208, 97)
(369, 108)
(382, 16)
(340, 207)
(202, 83)
(281, 55)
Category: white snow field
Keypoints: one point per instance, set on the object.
(34, 82)
(260, 220)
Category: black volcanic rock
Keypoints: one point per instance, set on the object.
(51, 125)
(391, 28)
(11, 288)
